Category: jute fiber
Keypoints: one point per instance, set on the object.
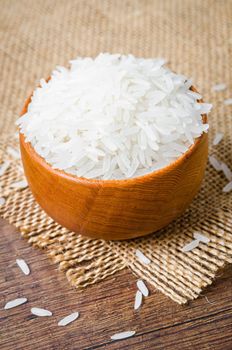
(196, 39)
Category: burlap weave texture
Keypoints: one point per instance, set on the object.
(196, 39)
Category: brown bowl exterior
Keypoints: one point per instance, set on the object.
(116, 209)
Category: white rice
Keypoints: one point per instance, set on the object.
(226, 171)
(217, 139)
(143, 288)
(122, 335)
(19, 184)
(23, 266)
(201, 238)
(190, 246)
(68, 319)
(227, 188)
(20, 169)
(13, 152)
(219, 87)
(2, 201)
(15, 302)
(113, 117)
(221, 166)
(228, 102)
(40, 312)
(215, 163)
(3, 167)
(138, 300)
(142, 258)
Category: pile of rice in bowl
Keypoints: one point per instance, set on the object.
(113, 117)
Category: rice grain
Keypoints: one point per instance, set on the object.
(2, 201)
(219, 87)
(226, 171)
(23, 266)
(13, 152)
(217, 139)
(201, 238)
(215, 163)
(123, 335)
(3, 167)
(228, 102)
(142, 258)
(143, 288)
(19, 184)
(40, 312)
(227, 188)
(138, 300)
(68, 319)
(190, 246)
(14, 303)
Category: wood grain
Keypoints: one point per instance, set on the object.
(116, 209)
(105, 309)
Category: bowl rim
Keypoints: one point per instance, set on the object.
(97, 182)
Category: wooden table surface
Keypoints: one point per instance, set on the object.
(105, 308)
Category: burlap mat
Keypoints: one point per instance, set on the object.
(196, 39)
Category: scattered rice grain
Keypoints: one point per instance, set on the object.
(19, 184)
(122, 335)
(142, 258)
(228, 102)
(23, 266)
(13, 152)
(226, 171)
(217, 139)
(201, 238)
(227, 188)
(2, 201)
(138, 300)
(219, 87)
(68, 319)
(20, 169)
(190, 246)
(215, 163)
(15, 302)
(143, 288)
(40, 312)
(3, 167)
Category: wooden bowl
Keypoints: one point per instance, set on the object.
(116, 209)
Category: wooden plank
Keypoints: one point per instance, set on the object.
(210, 332)
(105, 308)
